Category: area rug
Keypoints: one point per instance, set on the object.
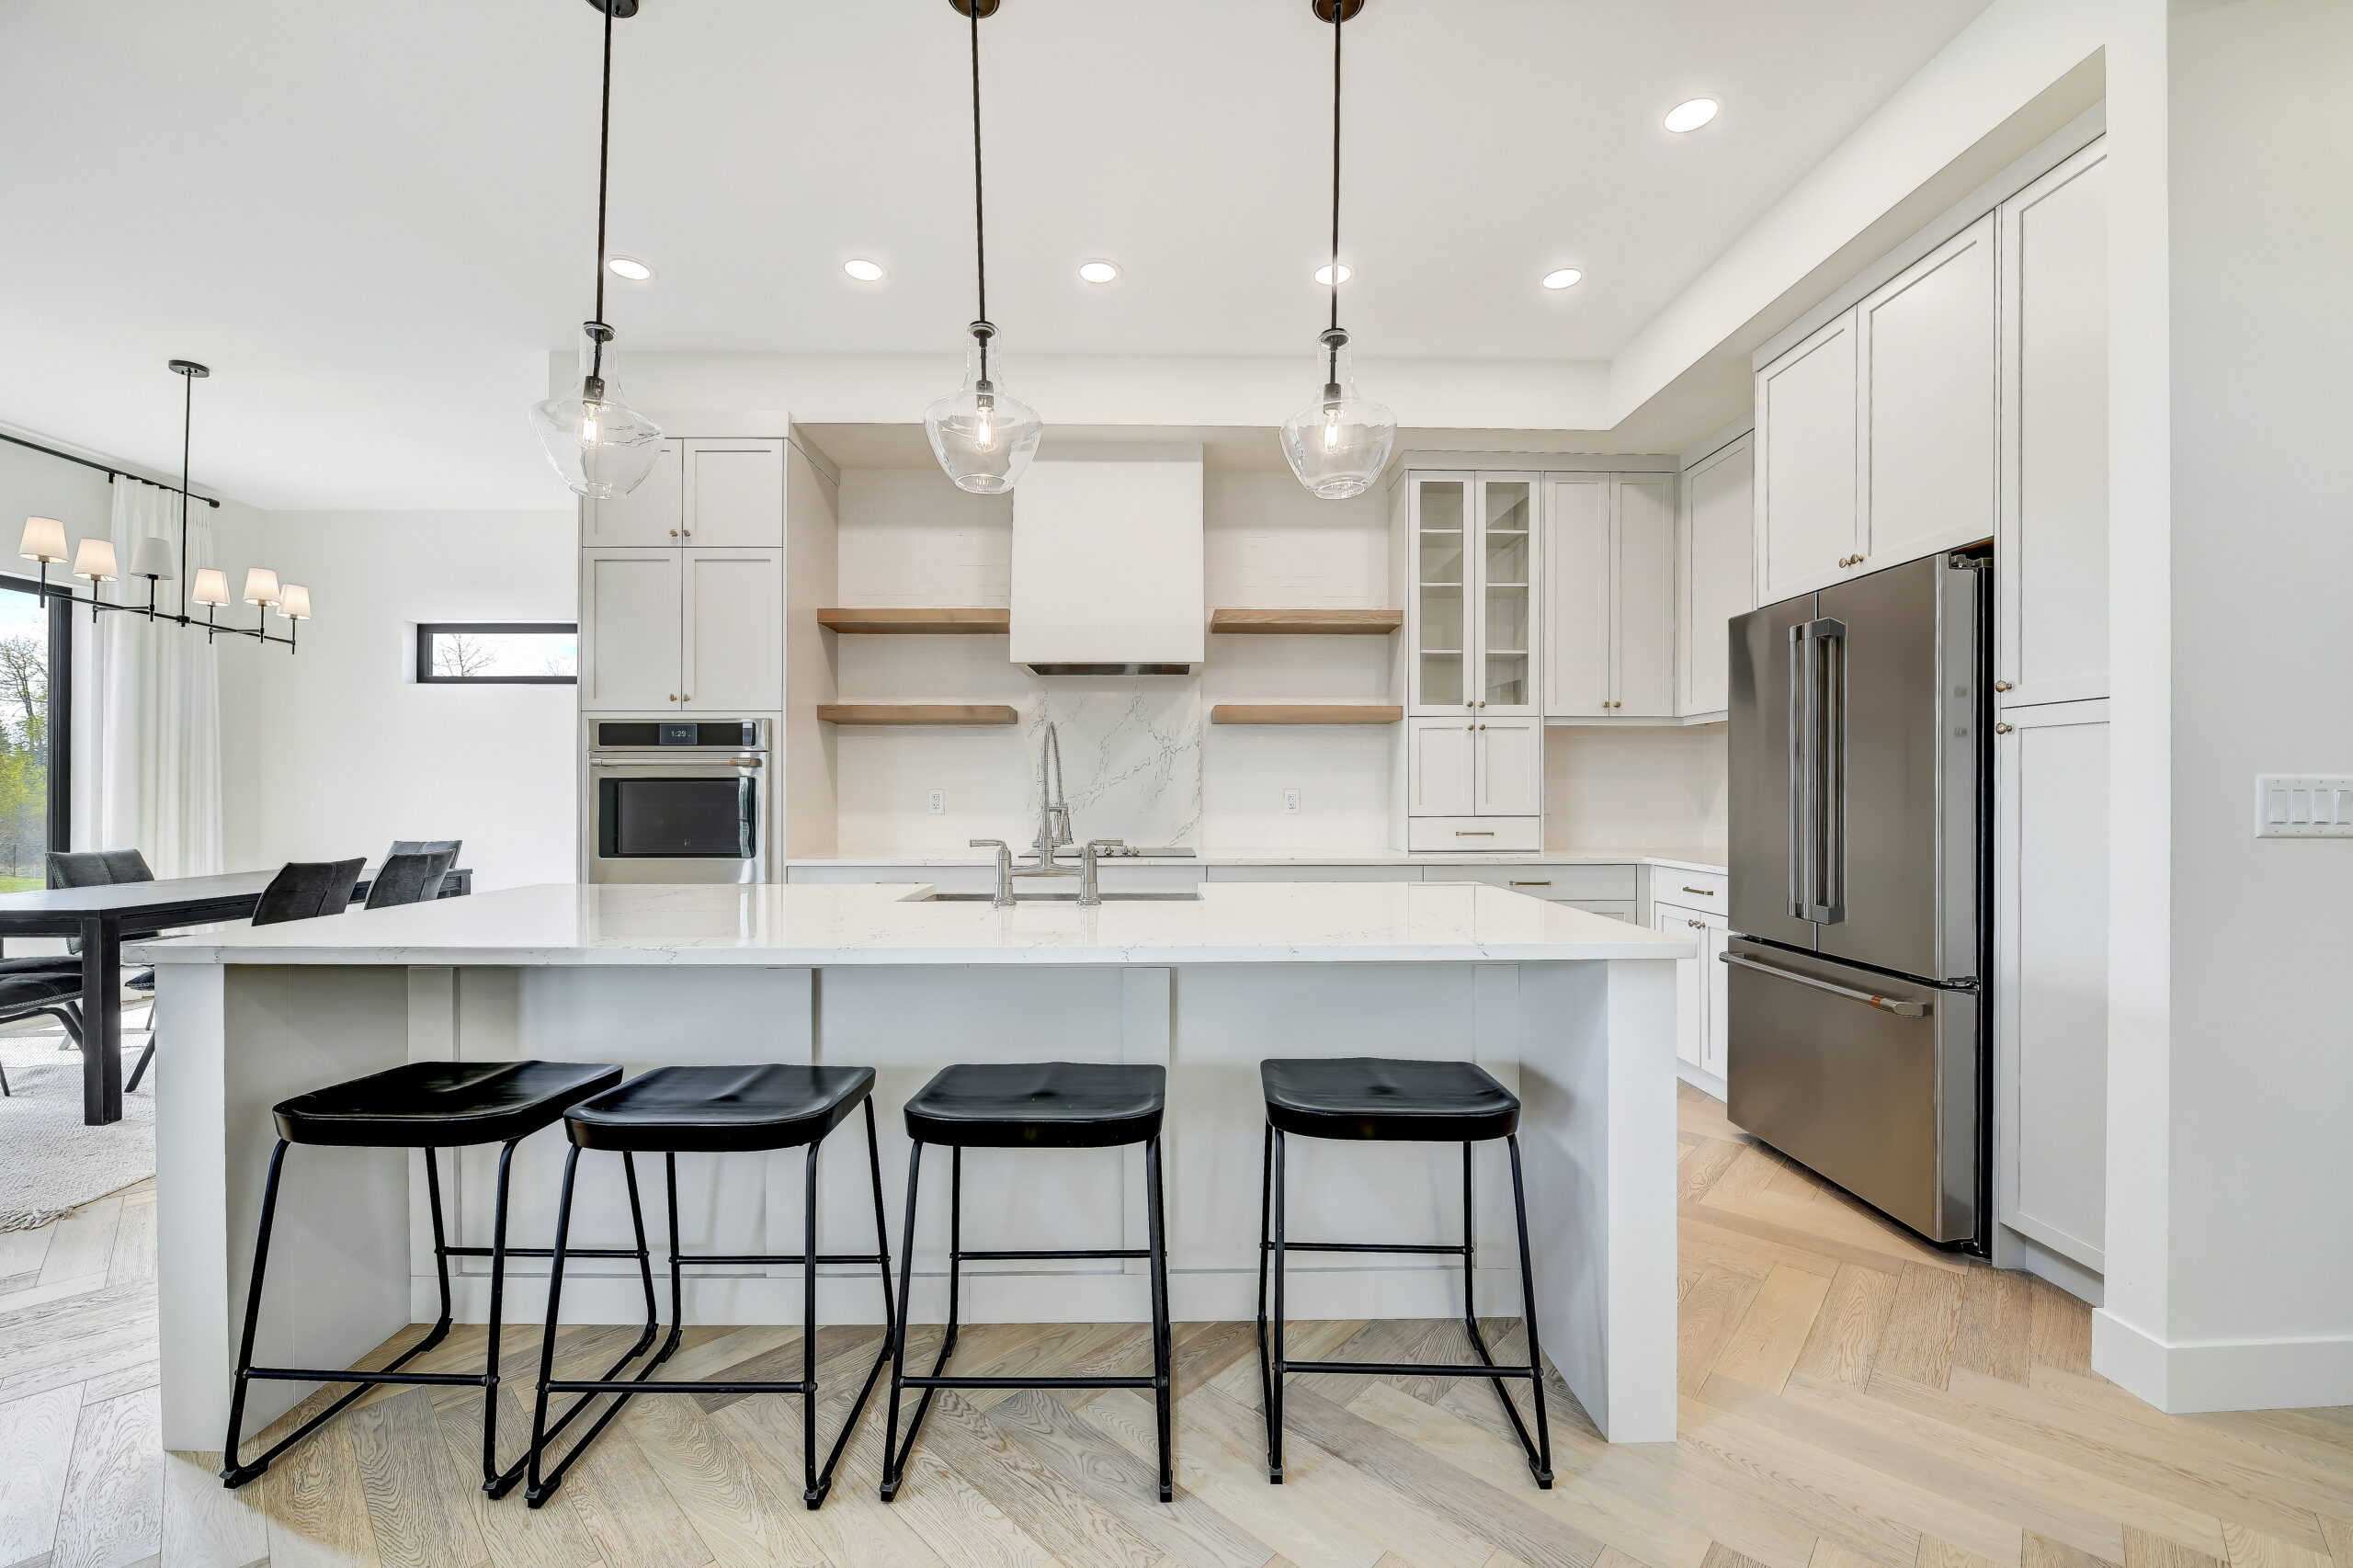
(50, 1164)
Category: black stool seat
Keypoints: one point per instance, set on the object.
(1039, 1105)
(428, 1105)
(1387, 1099)
(720, 1109)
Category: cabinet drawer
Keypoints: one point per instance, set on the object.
(1707, 892)
(1616, 909)
(1285, 872)
(1509, 834)
(1611, 883)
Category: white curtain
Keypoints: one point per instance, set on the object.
(146, 744)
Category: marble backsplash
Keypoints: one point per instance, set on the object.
(1130, 753)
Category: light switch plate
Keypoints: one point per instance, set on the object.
(2304, 805)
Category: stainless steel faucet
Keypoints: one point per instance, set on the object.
(1053, 812)
(1088, 896)
(1002, 898)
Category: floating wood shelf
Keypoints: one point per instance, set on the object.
(969, 622)
(916, 713)
(1304, 713)
(1308, 622)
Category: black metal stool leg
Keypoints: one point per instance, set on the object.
(1163, 1339)
(440, 1329)
(537, 1491)
(233, 1474)
(1266, 1244)
(893, 1460)
(1543, 1466)
(490, 1475)
(813, 1492)
(1276, 1367)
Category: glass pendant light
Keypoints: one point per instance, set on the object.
(599, 445)
(1339, 444)
(983, 436)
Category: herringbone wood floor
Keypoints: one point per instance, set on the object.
(1850, 1399)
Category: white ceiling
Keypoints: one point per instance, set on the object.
(373, 219)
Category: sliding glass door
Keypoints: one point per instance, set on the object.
(35, 668)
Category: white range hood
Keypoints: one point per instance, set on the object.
(1107, 561)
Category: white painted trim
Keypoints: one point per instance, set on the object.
(2201, 1375)
(1707, 1082)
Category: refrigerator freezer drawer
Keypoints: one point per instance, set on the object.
(1869, 1080)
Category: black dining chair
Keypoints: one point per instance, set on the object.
(98, 869)
(427, 847)
(409, 878)
(302, 889)
(27, 990)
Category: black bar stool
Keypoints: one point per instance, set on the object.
(674, 1111)
(1365, 1097)
(427, 1106)
(1033, 1104)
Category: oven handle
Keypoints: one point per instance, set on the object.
(672, 762)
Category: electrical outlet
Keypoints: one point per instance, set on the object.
(2304, 805)
(1291, 802)
(937, 802)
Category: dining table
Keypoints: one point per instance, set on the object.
(101, 916)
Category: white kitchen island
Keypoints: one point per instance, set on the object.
(1575, 1011)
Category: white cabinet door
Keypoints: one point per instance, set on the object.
(629, 600)
(2051, 633)
(1642, 572)
(2051, 975)
(1806, 414)
(1925, 341)
(1577, 595)
(734, 631)
(1690, 985)
(1508, 579)
(653, 513)
(1715, 986)
(734, 494)
(1439, 768)
(1510, 775)
(1439, 558)
(1717, 570)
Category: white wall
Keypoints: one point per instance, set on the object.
(1635, 787)
(352, 753)
(2229, 1238)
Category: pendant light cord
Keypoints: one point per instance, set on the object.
(980, 219)
(1332, 348)
(603, 169)
(187, 417)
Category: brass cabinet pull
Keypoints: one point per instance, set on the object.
(2001, 686)
(1703, 892)
(1696, 925)
(2001, 729)
(1474, 833)
(1542, 884)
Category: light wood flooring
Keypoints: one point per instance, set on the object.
(1849, 1399)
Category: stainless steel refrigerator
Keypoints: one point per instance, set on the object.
(1861, 821)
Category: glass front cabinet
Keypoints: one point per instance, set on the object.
(1475, 539)
(1475, 755)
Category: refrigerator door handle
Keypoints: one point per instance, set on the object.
(1885, 1004)
(1828, 739)
(1802, 774)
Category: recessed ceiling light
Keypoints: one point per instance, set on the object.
(1098, 271)
(628, 266)
(1563, 278)
(1323, 274)
(863, 270)
(1692, 114)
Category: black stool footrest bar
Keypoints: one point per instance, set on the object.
(539, 1252)
(776, 1260)
(1408, 1369)
(647, 1385)
(968, 1256)
(1447, 1249)
(320, 1375)
(1030, 1382)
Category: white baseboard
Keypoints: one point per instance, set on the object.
(2185, 1378)
(2015, 1249)
(1705, 1083)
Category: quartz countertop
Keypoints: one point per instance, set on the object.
(1676, 859)
(816, 924)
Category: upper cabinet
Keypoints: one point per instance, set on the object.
(700, 492)
(1875, 434)
(2050, 640)
(1807, 519)
(1715, 571)
(1609, 621)
(1473, 544)
(1924, 342)
(686, 630)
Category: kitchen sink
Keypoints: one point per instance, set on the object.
(1188, 896)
